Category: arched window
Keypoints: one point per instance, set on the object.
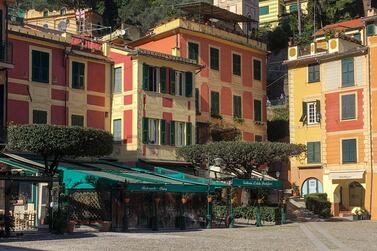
(63, 11)
(311, 185)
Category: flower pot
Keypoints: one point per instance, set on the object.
(356, 217)
(105, 226)
(71, 226)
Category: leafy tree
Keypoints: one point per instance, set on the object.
(53, 143)
(240, 158)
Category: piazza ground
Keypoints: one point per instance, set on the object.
(344, 235)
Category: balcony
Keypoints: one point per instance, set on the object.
(6, 55)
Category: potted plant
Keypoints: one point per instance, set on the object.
(295, 190)
(357, 213)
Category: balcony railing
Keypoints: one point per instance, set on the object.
(6, 52)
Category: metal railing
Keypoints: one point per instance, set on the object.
(6, 52)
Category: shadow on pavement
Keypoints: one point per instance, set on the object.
(46, 236)
(10, 248)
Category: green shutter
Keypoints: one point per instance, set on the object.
(348, 72)
(318, 111)
(188, 133)
(237, 107)
(145, 76)
(317, 152)
(188, 84)
(370, 29)
(257, 110)
(304, 117)
(145, 130)
(172, 81)
(310, 151)
(349, 151)
(215, 103)
(163, 132)
(172, 133)
(197, 96)
(348, 107)
(163, 80)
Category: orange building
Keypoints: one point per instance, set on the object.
(231, 87)
(331, 92)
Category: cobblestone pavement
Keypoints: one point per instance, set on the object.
(341, 235)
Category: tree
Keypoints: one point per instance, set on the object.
(240, 158)
(53, 143)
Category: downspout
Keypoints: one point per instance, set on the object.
(66, 64)
(5, 115)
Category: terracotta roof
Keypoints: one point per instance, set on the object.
(350, 24)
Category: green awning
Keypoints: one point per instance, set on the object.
(12, 163)
(254, 183)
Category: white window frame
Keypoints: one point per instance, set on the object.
(155, 79)
(153, 131)
(311, 112)
(121, 129)
(180, 84)
(180, 134)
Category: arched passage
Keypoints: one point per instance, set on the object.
(311, 185)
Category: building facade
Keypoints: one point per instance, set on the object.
(56, 81)
(231, 87)
(331, 112)
(153, 104)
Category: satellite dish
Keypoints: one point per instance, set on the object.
(62, 26)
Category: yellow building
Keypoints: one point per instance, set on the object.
(330, 112)
(270, 12)
(291, 6)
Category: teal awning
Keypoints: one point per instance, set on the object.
(254, 183)
(15, 164)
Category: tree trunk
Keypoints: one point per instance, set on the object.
(366, 4)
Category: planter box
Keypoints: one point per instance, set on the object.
(356, 217)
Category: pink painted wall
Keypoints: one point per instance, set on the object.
(127, 100)
(95, 119)
(59, 94)
(19, 89)
(247, 105)
(127, 70)
(58, 115)
(167, 102)
(95, 100)
(204, 98)
(247, 136)
(226, 101)
(18, 112)
(58, 67)
(20, 60)
(96, 77)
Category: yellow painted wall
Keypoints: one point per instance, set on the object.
(276, 8)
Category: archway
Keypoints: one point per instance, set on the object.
(311, 185)
(356, 194)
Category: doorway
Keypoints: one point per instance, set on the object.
(356, 194)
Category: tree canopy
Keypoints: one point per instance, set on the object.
(240, 157)
(54, 142)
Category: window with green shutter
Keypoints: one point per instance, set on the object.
(39, 117)
(77, 120)
(40, 66)
(193, 51)
(188, 133)
(163, 132)
(197, 98)
(78, 75)
(145, 130)
(189, 84)
(215, 107)
(172, 81)
(314, 152)
(237, 107)
(236, 59)
(145, 76)
(264, 10)
(349, 151)
(214, 58)
(117, 129)
(313, 73)
(117, 88)
(257, 69)
(163, 79)
(257, 110)
(172, 133)
(348, 106)
(348, 78)
(258, 138)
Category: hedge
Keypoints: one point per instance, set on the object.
(269, 214)
(318, 203)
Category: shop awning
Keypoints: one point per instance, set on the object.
(18, 165)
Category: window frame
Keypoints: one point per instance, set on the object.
(315, 113)
(342, 140)
(156, 131)
(240, 106)
(218, 106)
(261, 110)
(260, 70)
(36, 109)
(180, 83)
(119, 66)
(345, 84)
(121, 130)
(314, 161)
(266, 13)
(84, 74)
(188, 50)
(240, 65)
(314, 80)
(341, 106)
(71, 119)
(180, 134)
(210, 58)
(258, 138)
(49, 73)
